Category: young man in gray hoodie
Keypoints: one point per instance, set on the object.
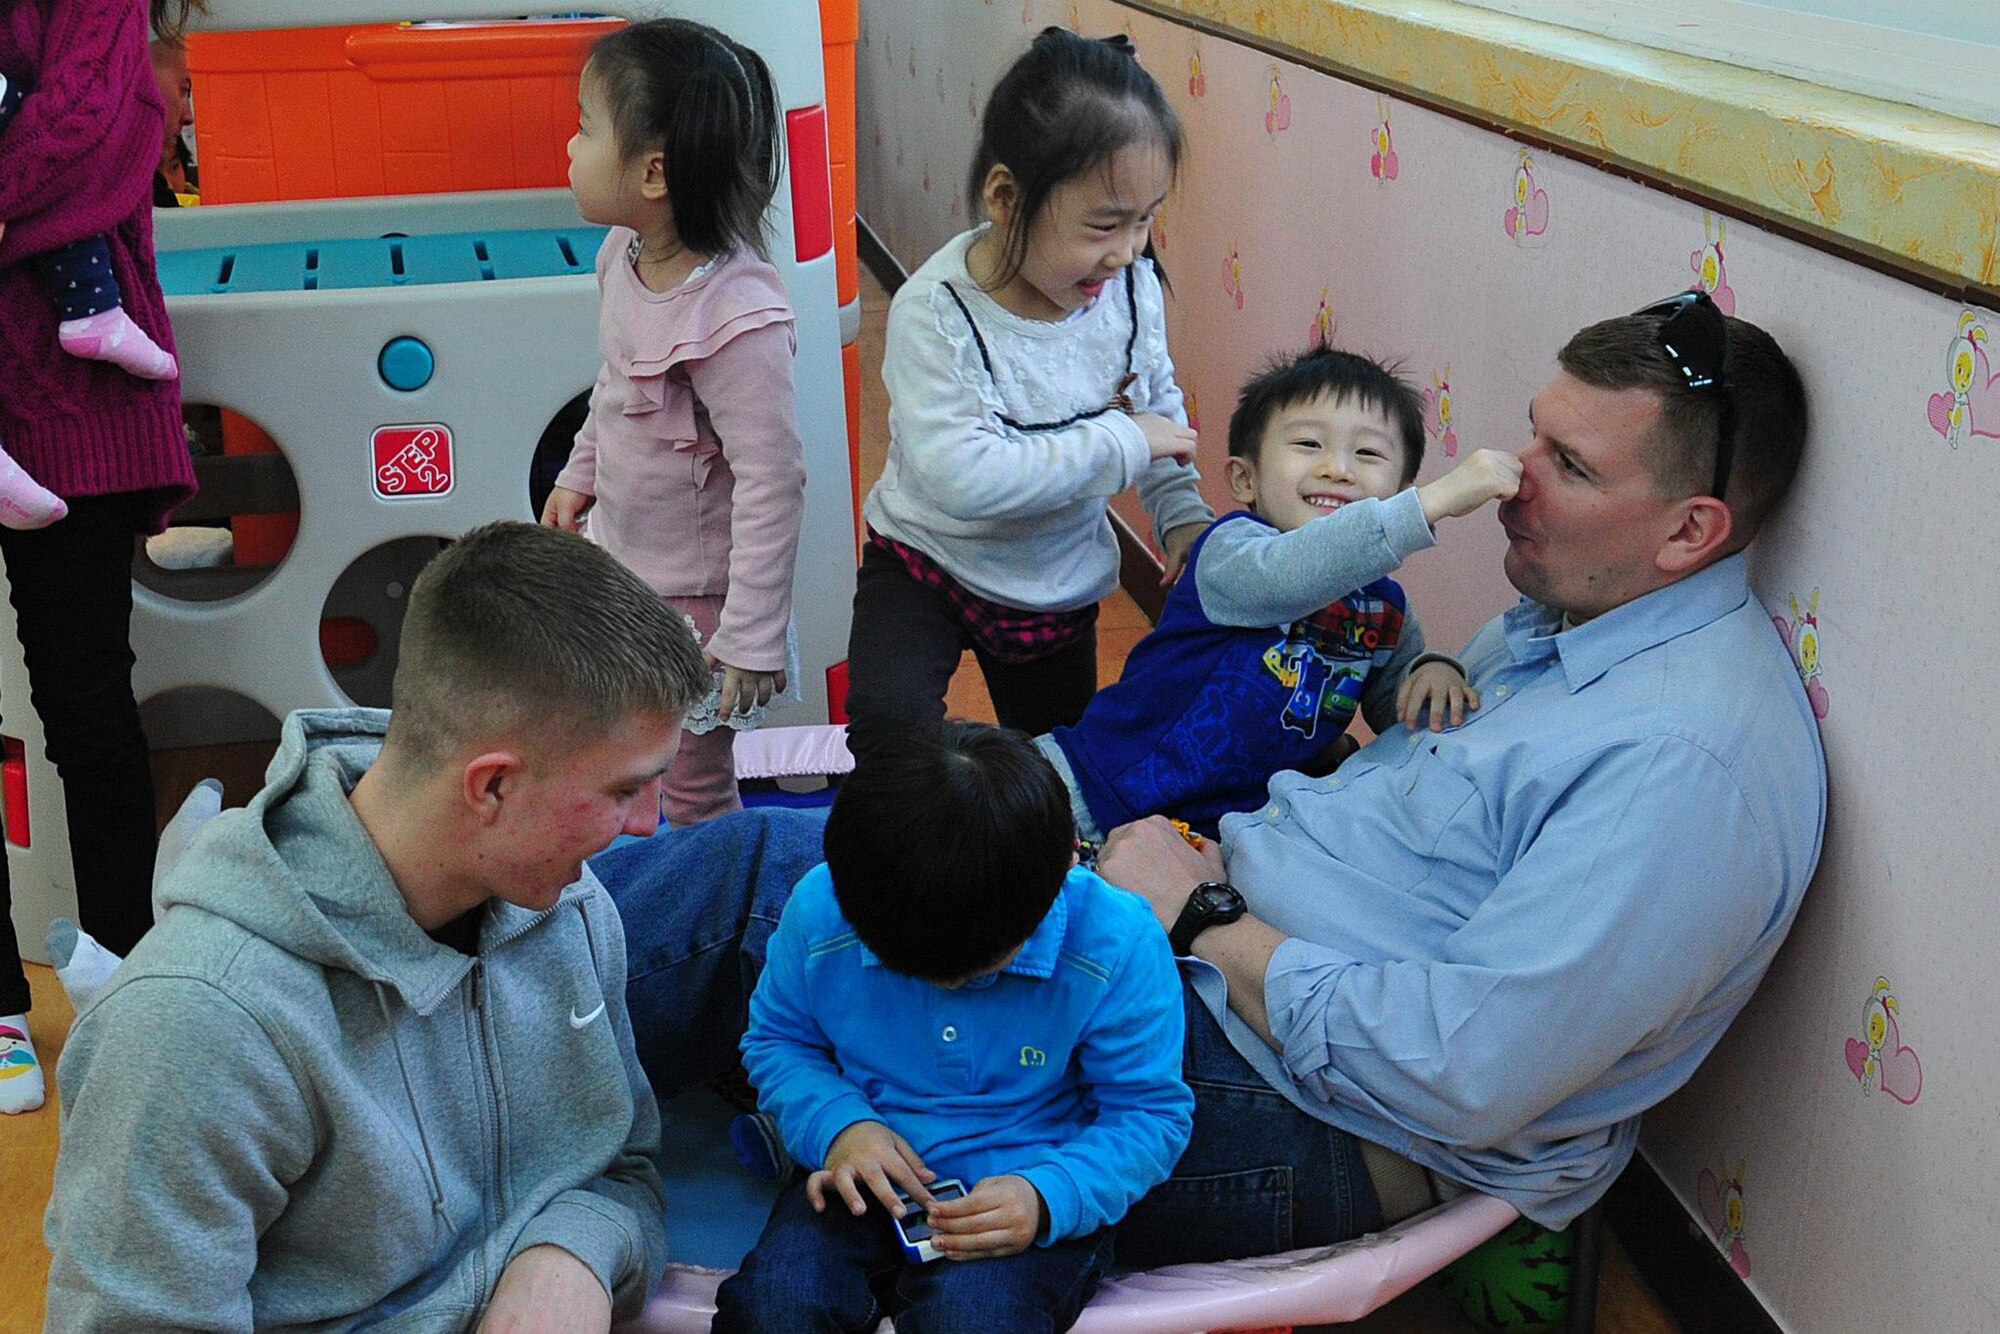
(373, 1065)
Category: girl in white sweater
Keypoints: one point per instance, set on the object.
(1029, 382)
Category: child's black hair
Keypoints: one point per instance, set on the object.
(709, 104)
(947, 845)
(1344, 377)
(1067, 106)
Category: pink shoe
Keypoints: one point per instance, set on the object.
(24, 502)
(110, 335)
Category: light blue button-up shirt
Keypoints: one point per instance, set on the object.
(1508, 941)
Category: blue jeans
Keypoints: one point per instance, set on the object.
(1259, 1175)
(699, 905)
(832, 1271)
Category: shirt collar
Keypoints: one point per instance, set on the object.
(1037, 957)
(1601, 643)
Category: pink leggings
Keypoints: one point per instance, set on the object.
(702, 782)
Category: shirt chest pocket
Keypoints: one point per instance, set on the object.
(1438, 822)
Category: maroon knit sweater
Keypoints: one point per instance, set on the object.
(76, 160)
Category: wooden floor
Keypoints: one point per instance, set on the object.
(28, 1143)
(28, 1166)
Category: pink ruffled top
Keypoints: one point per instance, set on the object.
(692, 445)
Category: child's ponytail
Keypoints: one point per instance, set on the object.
(710, 106)
(723, 150)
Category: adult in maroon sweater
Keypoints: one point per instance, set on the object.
(79, 159)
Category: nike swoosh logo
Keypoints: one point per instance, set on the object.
(580, 1020)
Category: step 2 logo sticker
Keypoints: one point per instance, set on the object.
(412, 461)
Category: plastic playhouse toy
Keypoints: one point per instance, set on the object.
(405, 353)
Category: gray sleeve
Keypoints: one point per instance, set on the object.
(1170, 491)
(1378, 698)
(1250, 576)
(182, 1129)
(1172, 496)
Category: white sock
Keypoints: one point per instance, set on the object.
(82, 965)
(20, 1073)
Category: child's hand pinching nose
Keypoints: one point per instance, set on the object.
(1483, 475)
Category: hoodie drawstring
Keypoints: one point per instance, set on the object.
(416, 1112)
(583, 911)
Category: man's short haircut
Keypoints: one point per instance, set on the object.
(525, 629)
(1344, 377)
(947, 845)
(1771, 414)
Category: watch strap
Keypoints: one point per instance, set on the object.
(1202, 911)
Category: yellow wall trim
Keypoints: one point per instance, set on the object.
(1902, 187)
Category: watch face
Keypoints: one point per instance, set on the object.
(1214, 897)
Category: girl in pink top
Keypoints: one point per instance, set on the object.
(689, 468)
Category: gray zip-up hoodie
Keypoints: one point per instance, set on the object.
(292, 1108)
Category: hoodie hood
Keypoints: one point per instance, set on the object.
(296, 868)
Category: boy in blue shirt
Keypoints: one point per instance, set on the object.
(1285, 621)
(950, 997)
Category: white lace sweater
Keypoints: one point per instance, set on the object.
(1018, 516)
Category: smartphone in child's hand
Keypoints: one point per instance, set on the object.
(913, 1229)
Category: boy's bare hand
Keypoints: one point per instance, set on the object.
(1176, 544)
(1483, 475)
(1437, 687)
(999, 1216)
(870, 1154)
(1165, 437)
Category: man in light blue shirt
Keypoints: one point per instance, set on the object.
(1483, 951)
(1489, 949)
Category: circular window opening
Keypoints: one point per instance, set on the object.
(361, 625)
(238, 528)
(552, 450)
(199, 732)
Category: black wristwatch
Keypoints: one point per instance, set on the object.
(1213, 903)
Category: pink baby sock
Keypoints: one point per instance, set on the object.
(25, 502)
(110, 335)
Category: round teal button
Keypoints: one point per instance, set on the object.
(406, 364)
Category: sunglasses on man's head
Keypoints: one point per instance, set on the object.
(1695, 337)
